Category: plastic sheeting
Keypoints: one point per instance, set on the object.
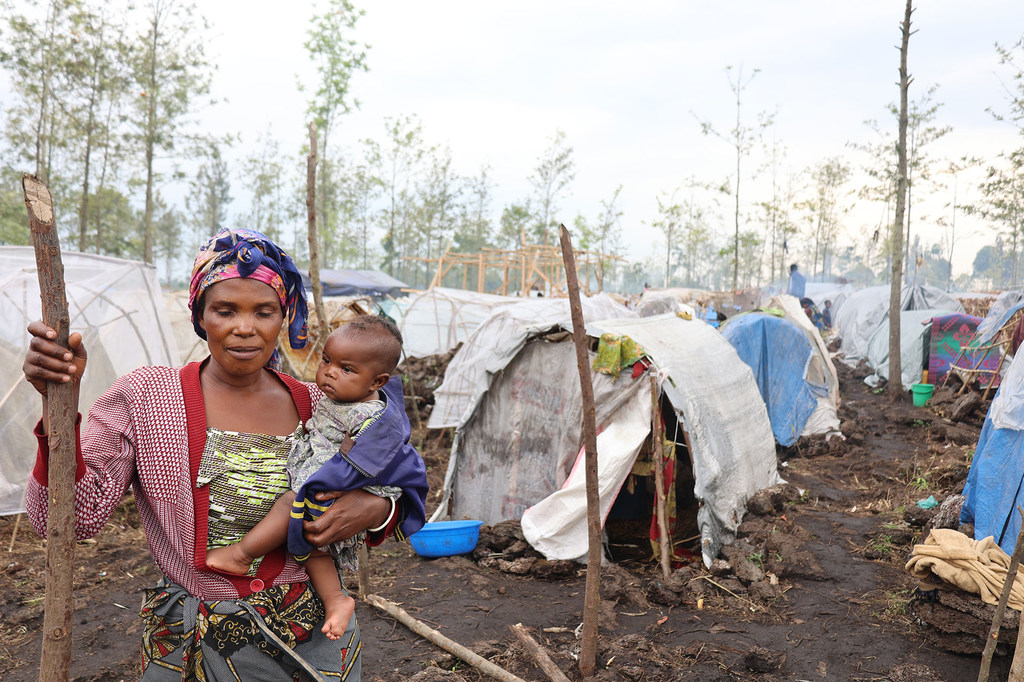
(118, 308)
(778, 353)
(717, 401)
(523, 437)
(1005, 305)
(439, 319)
(862, 312)
(915, 333)
(1007, 408)
(557, 525)
(492, 345)
(994, 485)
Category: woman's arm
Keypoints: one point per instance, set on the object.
(353, 511)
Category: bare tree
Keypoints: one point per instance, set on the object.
(895, 365)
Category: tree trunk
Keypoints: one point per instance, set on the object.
(895, 387)
(314, 246)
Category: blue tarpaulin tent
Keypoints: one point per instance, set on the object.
(993, 488)
(778, 352)
(357, 283)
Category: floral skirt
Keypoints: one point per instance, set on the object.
(273, 635)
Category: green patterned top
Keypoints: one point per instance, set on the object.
(246, 475)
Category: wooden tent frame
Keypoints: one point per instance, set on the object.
(524, 269)
(1000, 340)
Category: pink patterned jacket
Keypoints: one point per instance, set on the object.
(148, 431)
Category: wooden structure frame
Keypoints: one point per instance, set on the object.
(1001, 341)
(523, 269)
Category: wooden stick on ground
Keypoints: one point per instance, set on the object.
(538, 653)
(1004, 597)
(592, 588)
(55, 662)
(454, 648)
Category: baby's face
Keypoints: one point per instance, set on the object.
(348, 372)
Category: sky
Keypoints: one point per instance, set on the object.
(628, 84)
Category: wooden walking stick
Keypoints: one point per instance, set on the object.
(55, 662)
(592, 589)
(1004, 597)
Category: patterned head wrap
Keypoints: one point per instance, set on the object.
(247, 253)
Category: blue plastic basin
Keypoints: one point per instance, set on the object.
(446, 538)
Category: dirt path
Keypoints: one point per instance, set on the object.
(836, 551)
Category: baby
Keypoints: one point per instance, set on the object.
(357, 362)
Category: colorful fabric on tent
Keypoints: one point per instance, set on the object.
(952, 334)
(614, 352)
(668, 469)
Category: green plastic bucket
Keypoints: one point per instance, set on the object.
(922, 392)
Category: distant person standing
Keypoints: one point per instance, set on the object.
(797, 282)
(826, 314)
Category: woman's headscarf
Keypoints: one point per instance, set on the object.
(247, 253)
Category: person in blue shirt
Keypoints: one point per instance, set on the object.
(797, 282)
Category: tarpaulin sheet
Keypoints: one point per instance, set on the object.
(951, 334)
(993, 489)
(1005, 305)
(914, 332)
(863, 312)
(557, 525)
(716, 399)
(778, 353)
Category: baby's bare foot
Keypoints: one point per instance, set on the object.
(229, 559)
(339, 613)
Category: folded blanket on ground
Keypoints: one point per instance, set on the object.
(975, 566)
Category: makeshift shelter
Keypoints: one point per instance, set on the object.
(118, 308)
(982, 359)
(371, 283)
(863, 311)
(517, 446)
(951, 336)
(439, 319)
(795, 376)
(915, 333)
(995, 483)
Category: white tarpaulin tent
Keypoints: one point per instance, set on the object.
(915, 332)
(496, 341)
(518, 441)
(863, 311)
(438, 319)
(118, 308)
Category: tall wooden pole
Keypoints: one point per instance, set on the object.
(314, 246)
(55, 662)
(592, 590)
(660, 505)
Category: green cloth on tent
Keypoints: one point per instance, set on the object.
(777, 312)
(614, 352)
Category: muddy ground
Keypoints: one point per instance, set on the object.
(813, 590)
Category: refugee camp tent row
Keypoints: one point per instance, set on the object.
(864, 311)
(369, 283)
(119, 310)
(512, 394)
(795, 375)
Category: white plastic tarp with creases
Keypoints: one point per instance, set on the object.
(716, 398)
(915, 333)
(820, 369)
(864, 311)
(118, 308)
(439, 319)
(496, 341)
(557, 525)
